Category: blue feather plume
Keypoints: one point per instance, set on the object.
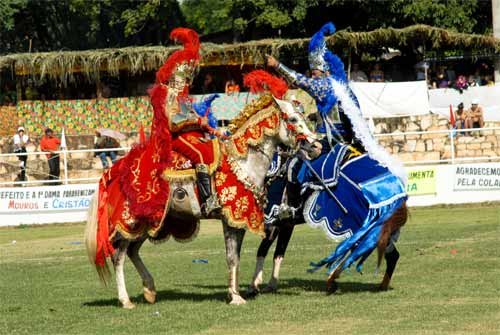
(336, 66)
(201, 107)
(318, 39)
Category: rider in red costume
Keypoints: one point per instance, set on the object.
(189, 130)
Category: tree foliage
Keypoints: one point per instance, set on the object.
(298, 18)
(85, 24)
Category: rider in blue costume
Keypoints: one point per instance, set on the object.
(325, 69)
(352, 200)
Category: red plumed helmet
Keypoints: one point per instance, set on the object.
(262, 81)
(183, 61)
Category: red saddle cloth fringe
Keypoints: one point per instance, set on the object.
(238, 203)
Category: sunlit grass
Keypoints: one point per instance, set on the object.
(447, 282)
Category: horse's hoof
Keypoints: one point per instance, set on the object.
(149, 295)
(270, 289)
(331, 287)
(251, 292)
(237, 300)
(128, 305)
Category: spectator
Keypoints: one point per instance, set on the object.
(441, 80)
(50, 144)
(231, 87)
(357, 74)
(462, 118)
(488, 81)
(20, 142)
(421, 69)
(106, 142)
(461, 83)
(476, 114)
(377, 75)
(208, 86)
(471, 82)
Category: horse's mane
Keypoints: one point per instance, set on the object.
(250, 110)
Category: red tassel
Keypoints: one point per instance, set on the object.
(261, 81)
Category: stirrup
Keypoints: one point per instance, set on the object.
(211, 204)
(286, 212)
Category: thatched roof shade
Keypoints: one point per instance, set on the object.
(60, 66)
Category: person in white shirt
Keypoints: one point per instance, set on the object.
(357, 74)
(20, 142)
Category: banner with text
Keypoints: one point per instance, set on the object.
(421, 180)
(481, 177)
(46, 198)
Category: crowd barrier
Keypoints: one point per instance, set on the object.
(448, 181)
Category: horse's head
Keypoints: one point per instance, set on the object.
(293, 125)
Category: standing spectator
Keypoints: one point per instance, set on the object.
(462, 118)
(106, 142)
(20, 142)
(421, 69)
(50, 144)
(231, 87)
(476, 114)
(357, 74)
(377, 75)
(208, 86)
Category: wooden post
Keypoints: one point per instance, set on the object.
(495, 9)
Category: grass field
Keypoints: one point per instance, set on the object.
(447, 282)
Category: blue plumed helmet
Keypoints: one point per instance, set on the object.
(318, 50)
(201, 107)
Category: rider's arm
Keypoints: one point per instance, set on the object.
(317, 88)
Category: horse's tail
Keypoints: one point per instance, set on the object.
(91, 240)
(396, 221)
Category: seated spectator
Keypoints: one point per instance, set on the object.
(357, 74)
(231, 87)
(106, 142)
(476, 114)
(488, 80)
(377, 75)
(471, 82)
(441, 80)
(462, 119)
(208, 86)
(461, 83)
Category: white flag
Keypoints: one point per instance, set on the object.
(63, 140)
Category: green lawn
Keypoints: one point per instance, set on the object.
(447, 282)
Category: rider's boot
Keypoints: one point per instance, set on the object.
(209, 200)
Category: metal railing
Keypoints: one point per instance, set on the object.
(452, 134)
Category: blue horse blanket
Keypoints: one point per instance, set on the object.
(368, 191)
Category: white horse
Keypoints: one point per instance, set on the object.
(268, 122)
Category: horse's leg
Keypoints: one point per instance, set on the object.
(233, 238)
(391, 258)
(284, 235)
(264, 247)
(118, 262)
(147, 280)
(331, 285)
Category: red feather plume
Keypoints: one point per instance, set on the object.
(191, 42)
(262, 81)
